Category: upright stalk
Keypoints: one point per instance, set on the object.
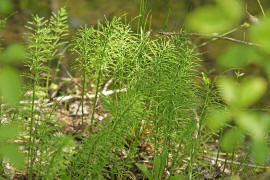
(218, 151)
(95, 100)
(48, 77)
(83, 86)
(197, 134)
(83, 92)
(57, 69)
(225, 163)
(32, 121)
(232, 161)
(97, 86)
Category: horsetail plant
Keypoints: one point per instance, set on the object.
(86, 45)
(83, 48)
(44, 39)
(154, 111)
(112, 51)
(59, 30)
(38, 50)
(157, 77)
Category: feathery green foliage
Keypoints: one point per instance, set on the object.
(154, 105)
(44, 39)
(157, 79)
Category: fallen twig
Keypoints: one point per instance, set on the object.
(210, 158)
(212, 37)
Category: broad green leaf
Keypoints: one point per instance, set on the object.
(160, 164)
(265, 121)
(251, 90)
(177, 177)
(64, 175)
(250, 122)
(266, 66)
(215, 19)
(163, 157)
(10, 85)
(208, 20)
(14, 52)
(244, 94)
(235, 178)
(231, 139)
(145, 171)
(5, 6)
(260, 151)
(217, 119)
(9, 131)
(157, 166)
(12, 153)
(229, 90)
(237, 56)
(233, 8)
(260, 33)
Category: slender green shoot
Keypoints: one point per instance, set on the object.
(261, 7)
(143, 7)
(166, 20)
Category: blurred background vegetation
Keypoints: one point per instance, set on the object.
(92, 11)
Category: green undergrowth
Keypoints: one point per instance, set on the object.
(152, 112)
(157, 76)
(113, 102)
